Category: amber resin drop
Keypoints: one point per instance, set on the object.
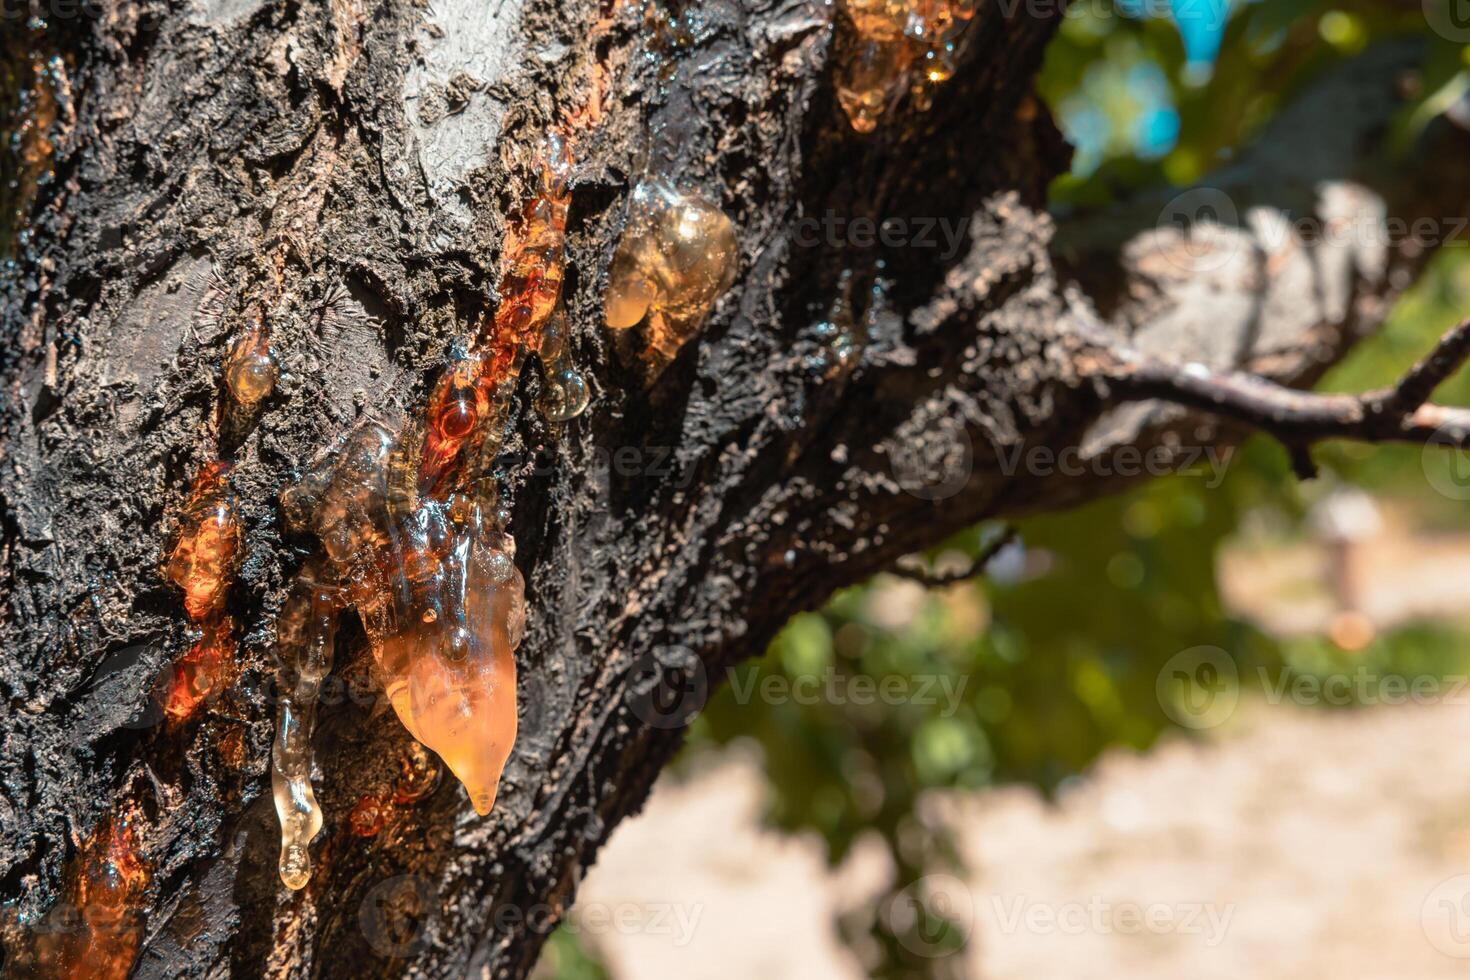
(462, 403)
(368, 817)
(204, 671)
(207, 544)
(874, 77)
(887, 45)
(450, 676)
(250, 369)
(418, 775)
(100, 927)
(677, 256)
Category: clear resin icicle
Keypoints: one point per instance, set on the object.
(305, 634)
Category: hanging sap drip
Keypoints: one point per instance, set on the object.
(205, 552)
(102, 894)
(206, 548)
(443, 624)
(564, 393)
(306, 633)
(677, 256)
(250, 368)
(435, 585)
(886, 46)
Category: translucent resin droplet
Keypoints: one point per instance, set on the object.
(887, 45)
(206, 549)
(97, 927)
(564, 393)
(203, 672)
(677, 256)
(451, 676)
(306, 633)
(874, 76)
(250, 369)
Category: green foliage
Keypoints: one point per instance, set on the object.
(564, 958)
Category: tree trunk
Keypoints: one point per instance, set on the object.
(348, 167)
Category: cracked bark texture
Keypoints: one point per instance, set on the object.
(347, 166)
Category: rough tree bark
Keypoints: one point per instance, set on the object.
(349, 165)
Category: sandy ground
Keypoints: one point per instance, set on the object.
(1298, 844)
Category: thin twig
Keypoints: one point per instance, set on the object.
(1300, 418)
(1416, 387)
(935, 580)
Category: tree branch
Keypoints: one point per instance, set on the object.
(939, 580)
(1299, 418)
(1416, 386)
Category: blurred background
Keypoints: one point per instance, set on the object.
(1206, 728)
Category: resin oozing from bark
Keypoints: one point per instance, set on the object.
(888, 45)
(250, 368)
(676, 257)
(442, 603)
(204, 671)
(306, 633)
(466, 414)
(206, 552)
(413, 533)
(206, 549)
(103, 928)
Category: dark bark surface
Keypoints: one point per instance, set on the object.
(347, 167)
